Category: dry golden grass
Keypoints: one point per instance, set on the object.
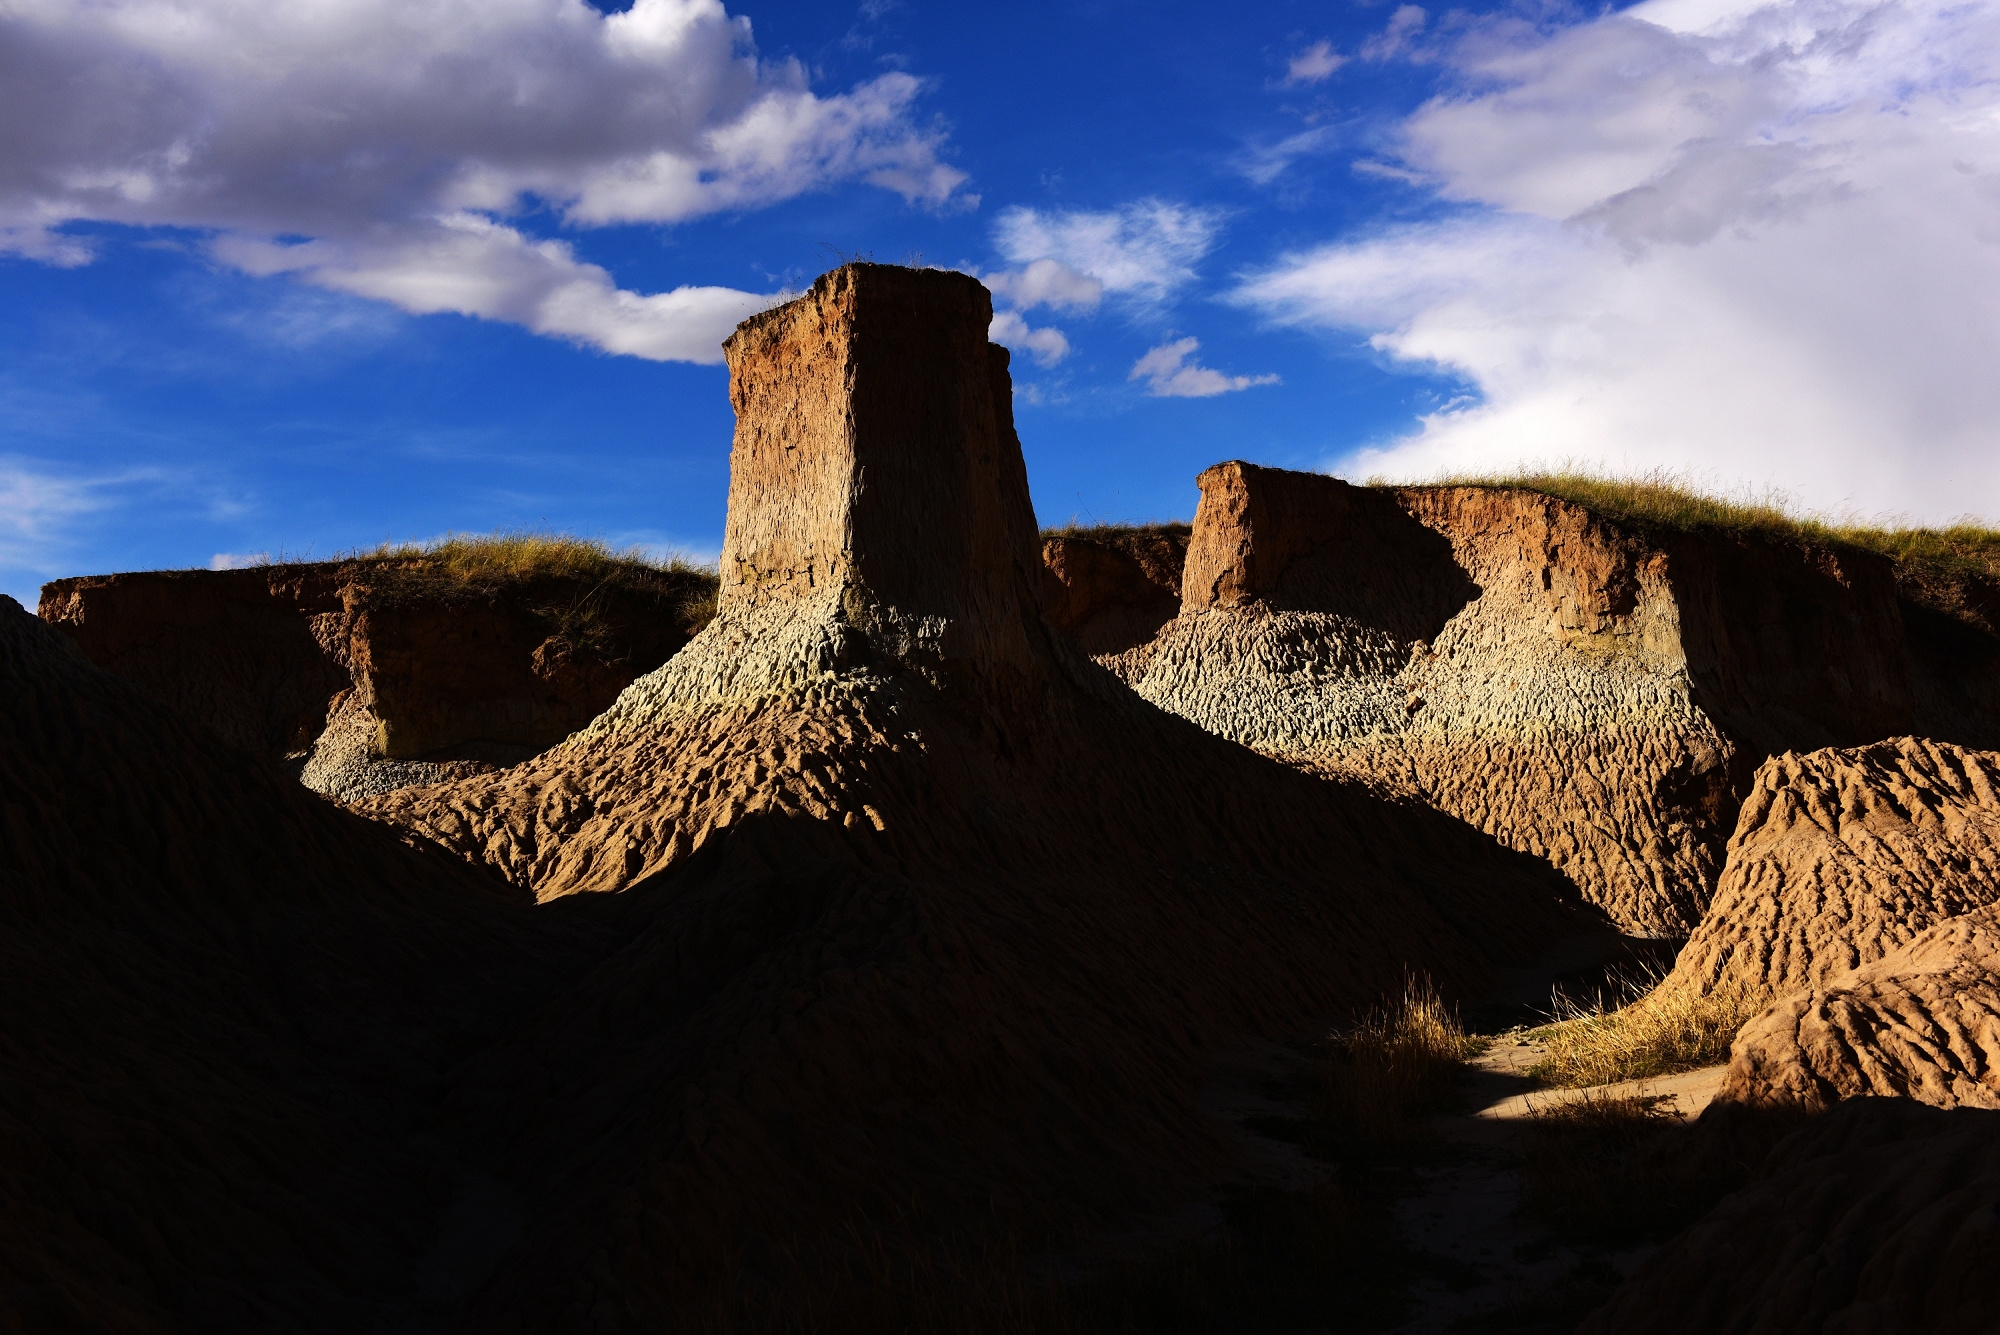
(521, 556)
(1657, 1033)
(477, 565)
(1398, 1062)
(1112, 533)
(1954, 569)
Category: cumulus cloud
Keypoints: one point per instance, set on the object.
(1047, 282)
(1314, 64)
(238, 560)
(1142, 251)
(403, 139)
(1761, 241)
(1170, 373)
(1046, 346)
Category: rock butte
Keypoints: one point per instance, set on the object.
(1579, 690)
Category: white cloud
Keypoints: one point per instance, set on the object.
(401, 135)
(1399, 37)
(1143, 250)
(470, 265)
(1267, 164)
(238, 560)
(1314, 64)
(1169, 374)
(1761, 242)
(1047, 282)
(1046, 346)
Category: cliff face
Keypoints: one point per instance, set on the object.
(252, 655)
(920, 904)
(343, 666)
(1112, 591)
(1585, 693)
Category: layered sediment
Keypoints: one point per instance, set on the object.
(925, 907)
(369, 675)
(1582, 691)
(1110, 590)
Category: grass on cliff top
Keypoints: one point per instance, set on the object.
(500, 559)
(1954, 569)
(473, 565)
(1114, 533)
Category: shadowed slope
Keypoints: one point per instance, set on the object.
(229, 1007)
(1877, 1217)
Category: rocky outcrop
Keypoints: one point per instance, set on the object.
(1922, 1022)
(373, 674)
(1110, 590)
(252, 655)
(925, 916)
(1585, 692)
(1876, 1217)
(1844, 856)
(1860, 898)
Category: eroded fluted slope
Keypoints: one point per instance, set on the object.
(1922, 1022)
(1842, 856)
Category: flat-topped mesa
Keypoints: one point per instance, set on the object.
(1581, 690)
(879, 516)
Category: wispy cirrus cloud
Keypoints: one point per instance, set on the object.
(390, 147)
(1315, 64)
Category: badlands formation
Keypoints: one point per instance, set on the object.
(910, 918)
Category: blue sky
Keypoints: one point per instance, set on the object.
(295, 279)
